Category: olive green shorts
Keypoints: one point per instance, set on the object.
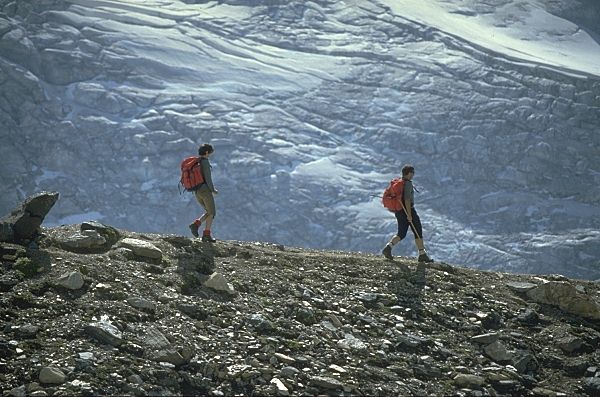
(206, 200)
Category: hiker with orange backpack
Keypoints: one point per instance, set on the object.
(398, 197)
(196, 177)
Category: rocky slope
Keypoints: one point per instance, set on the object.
(313, 106)
(87, 309)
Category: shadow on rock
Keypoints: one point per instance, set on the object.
(195, 263)
(408, 286)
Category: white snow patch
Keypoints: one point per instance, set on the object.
(48, 175)
(334, 173)
(517, 30)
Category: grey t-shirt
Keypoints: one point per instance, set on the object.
(408, 193)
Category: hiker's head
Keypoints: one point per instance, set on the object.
(205, 149)
(408, 171)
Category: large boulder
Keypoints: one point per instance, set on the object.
(219, 283)
(159, 348)
(72, 281)
(52, 375)
(564, 295)
(22, 224)
(86, 239)
(92, 237)
(141, 248)
(105, 332)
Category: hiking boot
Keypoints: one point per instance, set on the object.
(387, 252)
(424, 258)
(194, 229)
(207, 238)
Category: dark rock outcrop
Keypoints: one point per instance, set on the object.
(24, 221)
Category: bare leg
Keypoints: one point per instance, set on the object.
(209, 221)
(395, 240)
(387, 250)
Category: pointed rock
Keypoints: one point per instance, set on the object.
(20, 391)
(326, 382)
(528, 317)
(284, 359)
(570, 344)
(52, 375)
(105, 332)
(22, 223)
(468, 381)
(28, 330)
(172, 356)
(485, 339)
(154, 339)
(350, 342)
(141, 303)
(72, 281)
(108, 232)
(85, 239)
(592, 386)
(280, 387)
(217, 282)
(521, 287)
(289, 372)
(524, 362)
(337, 368)
(497, 352)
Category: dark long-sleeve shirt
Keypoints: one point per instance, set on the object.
(206, 173)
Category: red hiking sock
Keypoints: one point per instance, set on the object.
(197, 222)
(206, 232)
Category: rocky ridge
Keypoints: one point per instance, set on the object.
(289, 93)
(88, 309)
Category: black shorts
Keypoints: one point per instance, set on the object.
(403, 224)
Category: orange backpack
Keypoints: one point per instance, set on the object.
(392, 195)
(191, 174)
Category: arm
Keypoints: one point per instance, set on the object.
(407, 197)
(407, 209)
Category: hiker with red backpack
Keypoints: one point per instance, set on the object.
(196, 177)
(398, 197)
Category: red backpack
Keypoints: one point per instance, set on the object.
(191, 173)
(392, 195)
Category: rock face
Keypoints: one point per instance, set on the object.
(301, 322)
(22, 223)
(101, 117)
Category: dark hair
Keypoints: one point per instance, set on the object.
(407, 169)
(205, 148)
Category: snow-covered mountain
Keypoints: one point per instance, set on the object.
(312, 107)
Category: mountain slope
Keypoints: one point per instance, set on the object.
(313, 107)
(105, 311)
